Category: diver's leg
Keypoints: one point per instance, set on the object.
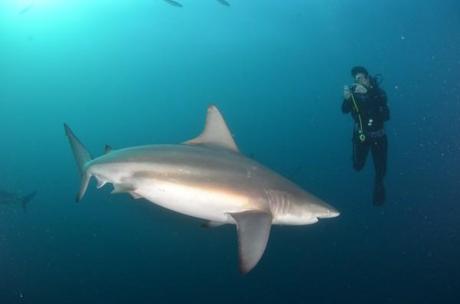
(379, 150)
(360, 152)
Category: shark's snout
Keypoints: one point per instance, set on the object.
(330, 213)
(325, 211)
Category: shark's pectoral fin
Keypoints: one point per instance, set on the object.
(253, 229)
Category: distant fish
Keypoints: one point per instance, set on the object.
(27, 8)
(8, 198)
(224, 2)
(173, 3)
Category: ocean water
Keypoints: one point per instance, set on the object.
(129, 73)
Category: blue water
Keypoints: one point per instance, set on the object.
(128, 73)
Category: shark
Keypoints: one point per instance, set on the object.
(178, 4)
(174, 3)
(207, 178)
(10, 198)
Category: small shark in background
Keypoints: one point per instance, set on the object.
(207, 178)
(28, 6)
(178, 4)
(224, 2)
(173, 3)
(8, 198)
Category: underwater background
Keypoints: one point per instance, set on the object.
(138, 72)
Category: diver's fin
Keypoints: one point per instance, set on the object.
(215, 133)
(212, 224)
(107, 149)
(253, 229)
(26, 200)
(379, 194)
(82, 157)
(122, 188)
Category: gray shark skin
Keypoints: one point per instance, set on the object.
(9, 198)
(207, 178)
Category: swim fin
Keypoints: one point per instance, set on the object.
(379, 194)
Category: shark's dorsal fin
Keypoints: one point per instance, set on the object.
(215, 133)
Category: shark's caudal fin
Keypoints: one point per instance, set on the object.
(26, 199)
(82, 157)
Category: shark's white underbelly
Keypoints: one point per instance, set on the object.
(209, 203)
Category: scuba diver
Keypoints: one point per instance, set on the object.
(367, 103)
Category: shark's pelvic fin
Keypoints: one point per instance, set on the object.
(122, 188)
(82, 156)
(215, 133)
(253, 229)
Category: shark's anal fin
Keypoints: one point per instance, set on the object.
(212, 224)
(253, 229)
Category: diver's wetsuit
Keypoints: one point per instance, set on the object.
(373, 110)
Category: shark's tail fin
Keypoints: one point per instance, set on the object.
(26, 199)
(82, 157)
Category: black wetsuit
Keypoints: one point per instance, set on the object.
(373, 110)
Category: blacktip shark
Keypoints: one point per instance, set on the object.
(10, 198)
(206, 178)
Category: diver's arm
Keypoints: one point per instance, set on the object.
(383, 106)
(346, 106)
